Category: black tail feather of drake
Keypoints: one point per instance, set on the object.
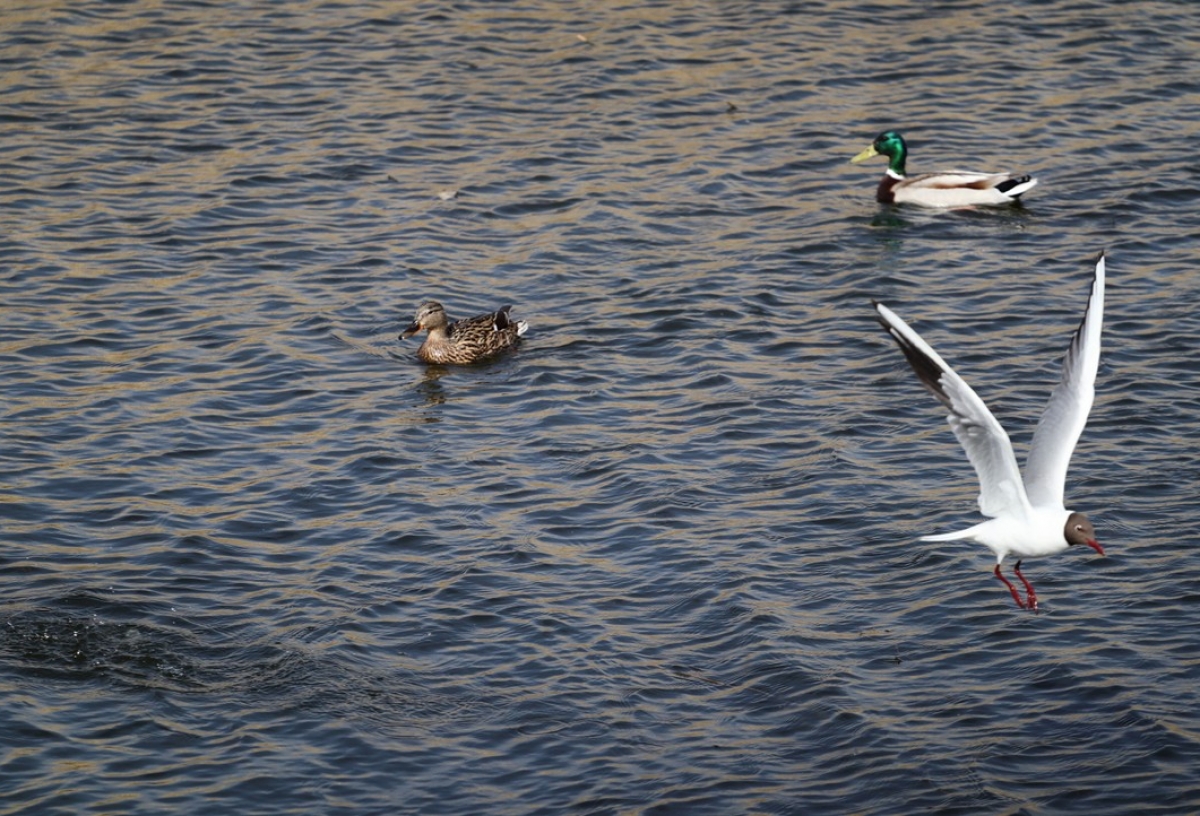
(1012, 183)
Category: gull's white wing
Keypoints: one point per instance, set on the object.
(1001, 491)
(1067, 412)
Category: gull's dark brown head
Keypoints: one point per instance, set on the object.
(1080, 531)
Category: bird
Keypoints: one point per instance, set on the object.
(472, 340)
(1026, 516)
(949, 188)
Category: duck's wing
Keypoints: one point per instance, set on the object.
(481, 325)
(1001, 491)
(954, 178)
(1067, 412)
(961, 188)
(485, 335)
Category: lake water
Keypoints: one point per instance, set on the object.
(257, 559)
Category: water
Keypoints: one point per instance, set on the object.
(257, 559)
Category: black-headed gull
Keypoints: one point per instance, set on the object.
(1026, 516)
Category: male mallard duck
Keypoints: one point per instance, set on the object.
(472, 340)
(952, 188)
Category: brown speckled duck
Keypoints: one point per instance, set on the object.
(949, 188)
(462, 342)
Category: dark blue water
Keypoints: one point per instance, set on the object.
(257, 559)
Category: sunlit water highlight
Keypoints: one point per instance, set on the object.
(662, 560)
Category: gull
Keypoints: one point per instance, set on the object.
(1026, 517)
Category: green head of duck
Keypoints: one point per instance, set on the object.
(891, 144)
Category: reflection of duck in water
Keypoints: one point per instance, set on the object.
(951, 188)
(471, 340)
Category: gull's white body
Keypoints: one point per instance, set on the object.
(1026, 515)
(1035, 531)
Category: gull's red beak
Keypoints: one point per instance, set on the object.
(1095, 545)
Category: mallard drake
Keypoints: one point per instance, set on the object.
(951, 188)
(462, 342)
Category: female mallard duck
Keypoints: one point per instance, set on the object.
(953, 188)
(472, 340)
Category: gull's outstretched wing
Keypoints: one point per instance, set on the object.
(1067, 412)
(1001, 491)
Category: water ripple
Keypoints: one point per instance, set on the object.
(663, 558)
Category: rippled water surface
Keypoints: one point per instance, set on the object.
(663, 560)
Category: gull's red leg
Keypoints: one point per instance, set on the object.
(1011, 588)
(1030, 595)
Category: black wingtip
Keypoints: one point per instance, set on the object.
(1077, 337)
(928, 371)
(926, 368)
